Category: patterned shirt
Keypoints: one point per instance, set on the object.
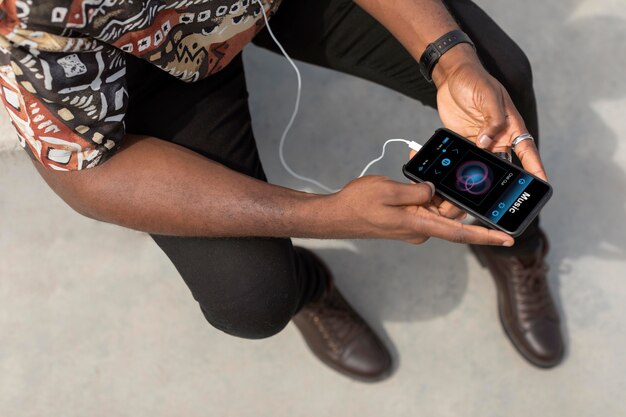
(62, 65)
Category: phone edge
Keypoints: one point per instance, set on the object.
(515, 233)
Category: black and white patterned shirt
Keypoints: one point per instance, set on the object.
(62, 66)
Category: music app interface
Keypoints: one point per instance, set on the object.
(501, 193)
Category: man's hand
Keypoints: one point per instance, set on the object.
(377, 207)
(470, 101)
(474, 104)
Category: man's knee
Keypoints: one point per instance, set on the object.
(246, 287)
(251, 321)
(259, 310)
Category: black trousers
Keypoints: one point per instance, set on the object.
(251, 287)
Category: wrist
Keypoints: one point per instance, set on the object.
(315, 216)
(460, 55)
(330, 217)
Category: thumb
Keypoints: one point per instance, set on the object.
(494, 115)
(412, 194)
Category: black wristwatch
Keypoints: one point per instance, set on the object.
(434, 51)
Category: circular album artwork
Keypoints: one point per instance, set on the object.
(473, 177)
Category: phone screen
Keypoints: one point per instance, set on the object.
(477, 180)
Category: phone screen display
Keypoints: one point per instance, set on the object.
(486, 185)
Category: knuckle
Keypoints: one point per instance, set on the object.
(417, 223)
(498, 122)
(414, 225)
(495, 121)
(523, 151)
(390, 192)
(423, 193)
(460, 234)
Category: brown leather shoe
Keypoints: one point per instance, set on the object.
(526, 308)
(339, 337)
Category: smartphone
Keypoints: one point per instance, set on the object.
(494, 191)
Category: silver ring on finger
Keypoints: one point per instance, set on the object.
(521, 138)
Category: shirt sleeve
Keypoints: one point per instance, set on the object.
(65, 96)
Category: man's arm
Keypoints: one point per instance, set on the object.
(160, 187)
(415, 24)
(470, 101)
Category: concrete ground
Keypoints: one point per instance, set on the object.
(94, 320)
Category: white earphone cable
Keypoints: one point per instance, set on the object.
(412, 144)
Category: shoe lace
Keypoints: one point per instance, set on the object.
(337, 323)
(531, 286)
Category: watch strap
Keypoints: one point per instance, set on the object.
(435, 50)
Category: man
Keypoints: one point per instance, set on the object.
(136, 113)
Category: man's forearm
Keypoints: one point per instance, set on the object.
(416, 23)
(162, 188)
(159, 187)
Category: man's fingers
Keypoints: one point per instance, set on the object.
(526, 150)
(433, 209)
(454, 231)
(449, 210)
(528, 154)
